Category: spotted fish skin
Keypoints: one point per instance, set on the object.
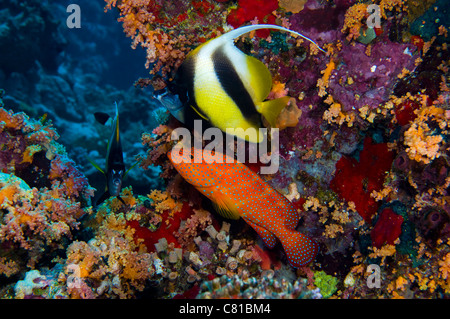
(239, 192)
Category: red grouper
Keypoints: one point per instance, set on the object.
(236, 191)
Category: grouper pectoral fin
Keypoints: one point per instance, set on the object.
(225, 211)
(223, 204)
(269, 239)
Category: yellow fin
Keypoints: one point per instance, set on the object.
(224, 205)
(260, 79)
(272, 108)
(247, 131)
(95, 165)
(224, 212)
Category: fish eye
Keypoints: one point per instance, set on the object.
(113, 171)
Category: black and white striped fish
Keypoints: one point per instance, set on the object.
(115, 167)
(226, 87)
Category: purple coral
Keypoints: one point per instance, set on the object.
(362, 79)
(206, 252)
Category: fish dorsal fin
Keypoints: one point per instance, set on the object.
(233, 34)
(272, 108)
(114, 141)
(116, 122)
(101, 117)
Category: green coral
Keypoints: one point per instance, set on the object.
(277, 44)
(367, 36)
(326, 283)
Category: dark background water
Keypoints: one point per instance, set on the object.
(70, 73)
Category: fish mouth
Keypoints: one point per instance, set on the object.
(169, 100)
(115, 186)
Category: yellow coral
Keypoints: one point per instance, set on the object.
(332, 113)
(29, 152)
(12, 186)
(354, 20)
(445, 267)
(383, 252)
(401, 283)
(389, 5)
(294, 6)
(332, 230)
(8, 267)
(167, 35)
(335, 115)
(163, 202)
(327, 72)
(127, 197)
(423, 145)
(278, 90)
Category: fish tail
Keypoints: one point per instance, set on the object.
(300, 249)
(233, 34)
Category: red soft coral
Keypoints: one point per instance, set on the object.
(248, 10)
(355, 181)
(405, 112)
(164, 231)
(387, 229)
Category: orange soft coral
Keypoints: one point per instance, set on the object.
(289, 116)
(354, 20)
(42, 195)
(424, 145)
(168, 32)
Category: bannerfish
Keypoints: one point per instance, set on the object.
(236, 191)
(115, 167)
(225, 87)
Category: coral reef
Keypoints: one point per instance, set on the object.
(43, 195)
(266, 287)
(148, 23)
(363, 158)
(28, 33)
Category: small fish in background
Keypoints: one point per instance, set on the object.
(236, 191)
(115, 167)
(225, 87)
(44, 119)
